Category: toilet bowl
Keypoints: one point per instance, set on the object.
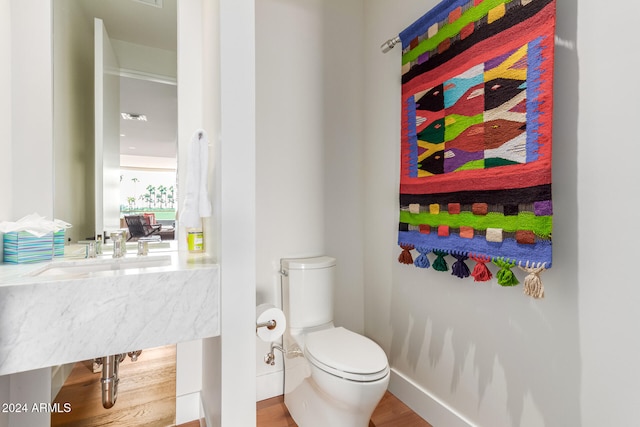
(344, 377)
(333, 376)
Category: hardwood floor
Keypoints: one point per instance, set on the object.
(390, 412)
(146, 394)
(146, 397)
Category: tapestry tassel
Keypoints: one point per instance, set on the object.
(459, 268)
(481, 272)
(440, 264)
(405, 257)
(532, 283)
(505, 275)
(422, 261)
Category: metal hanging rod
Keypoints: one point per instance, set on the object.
(389, 44)
(269, 324)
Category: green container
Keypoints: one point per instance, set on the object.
(195, 240)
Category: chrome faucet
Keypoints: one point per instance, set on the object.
(143, 244)
(143, 247)
(91, 250)
(119, 244)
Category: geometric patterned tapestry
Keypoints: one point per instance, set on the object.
(477, 102)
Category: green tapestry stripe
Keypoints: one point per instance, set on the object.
(540, 225)
(450, 30)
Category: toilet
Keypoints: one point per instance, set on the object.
(333, 376)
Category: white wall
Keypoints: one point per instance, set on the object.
(5, 112)
(152, 61)
(25, 179)
(193, 101)
(211, 395)
(30, 387)
(344, 144)
(31, 122)
(608, 298)
(73, 150)
(289, 149)
(237, 198)
(492, 355)
(308, 141)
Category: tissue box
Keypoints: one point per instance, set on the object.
(22, 247)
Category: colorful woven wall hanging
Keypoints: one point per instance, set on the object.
(477, 102)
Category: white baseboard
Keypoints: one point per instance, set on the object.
(423, 403)
(205, 420)
(59, 375)
(269, 385)
(187, 408)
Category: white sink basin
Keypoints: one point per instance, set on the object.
(65, 268)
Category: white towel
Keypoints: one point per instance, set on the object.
(196, 199)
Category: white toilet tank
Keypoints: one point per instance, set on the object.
(308, 291)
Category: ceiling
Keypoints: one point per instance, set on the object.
(159, 103)
(135, 22)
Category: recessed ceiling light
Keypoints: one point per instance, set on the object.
(132, 148)
(134, 116)
(122, 134)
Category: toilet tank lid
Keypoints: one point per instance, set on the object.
(308, 263)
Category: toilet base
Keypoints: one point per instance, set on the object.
(309, 406)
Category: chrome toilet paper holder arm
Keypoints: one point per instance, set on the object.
(269, 324)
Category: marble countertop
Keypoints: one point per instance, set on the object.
(52, 320)
(17, 274)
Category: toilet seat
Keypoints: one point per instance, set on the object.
(345, 354)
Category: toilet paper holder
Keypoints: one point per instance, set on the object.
(269, 324)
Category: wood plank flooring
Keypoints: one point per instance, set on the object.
(146, 394)
(146, 397)
(390, 412)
